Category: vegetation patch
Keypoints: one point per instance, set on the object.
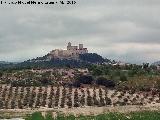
(145, 115)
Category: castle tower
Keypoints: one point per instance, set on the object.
(69, 46)
(80, 46)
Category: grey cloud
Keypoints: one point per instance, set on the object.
(30, 31)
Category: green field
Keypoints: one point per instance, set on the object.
(147, 115)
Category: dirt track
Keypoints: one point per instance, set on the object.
(77, 111)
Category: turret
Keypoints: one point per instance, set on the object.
(69, 46)
(80, 46)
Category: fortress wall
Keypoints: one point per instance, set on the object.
(71, 52)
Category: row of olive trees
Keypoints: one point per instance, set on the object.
(51, 97)
(61, 97)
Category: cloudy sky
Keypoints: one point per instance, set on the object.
(126, 30)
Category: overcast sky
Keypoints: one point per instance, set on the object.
(126, 30)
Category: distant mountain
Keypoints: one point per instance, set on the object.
(8, 65)
(156, 63)
(3, 62)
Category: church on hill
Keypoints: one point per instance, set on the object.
(72, 52)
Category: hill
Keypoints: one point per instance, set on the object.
(82, 61)
(43, 62)
(92, 58)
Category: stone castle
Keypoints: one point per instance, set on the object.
(72, 52)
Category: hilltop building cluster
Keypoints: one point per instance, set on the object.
(72, 52)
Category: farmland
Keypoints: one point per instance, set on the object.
(62, 97)
(89, 91)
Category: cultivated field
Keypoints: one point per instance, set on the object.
(22, 101)
(60, 97)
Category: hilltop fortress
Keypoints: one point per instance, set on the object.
(72, 52)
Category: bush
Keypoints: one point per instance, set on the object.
(107, 83)
(123, 78)
(36, 116)
(1, 74)
(77, 84)
(85, 79)
(97, 72)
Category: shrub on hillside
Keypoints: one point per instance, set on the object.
(123, 78)
(85, 79)
(97, 72)
(76, 84)
(107, 83)
(1, 74)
